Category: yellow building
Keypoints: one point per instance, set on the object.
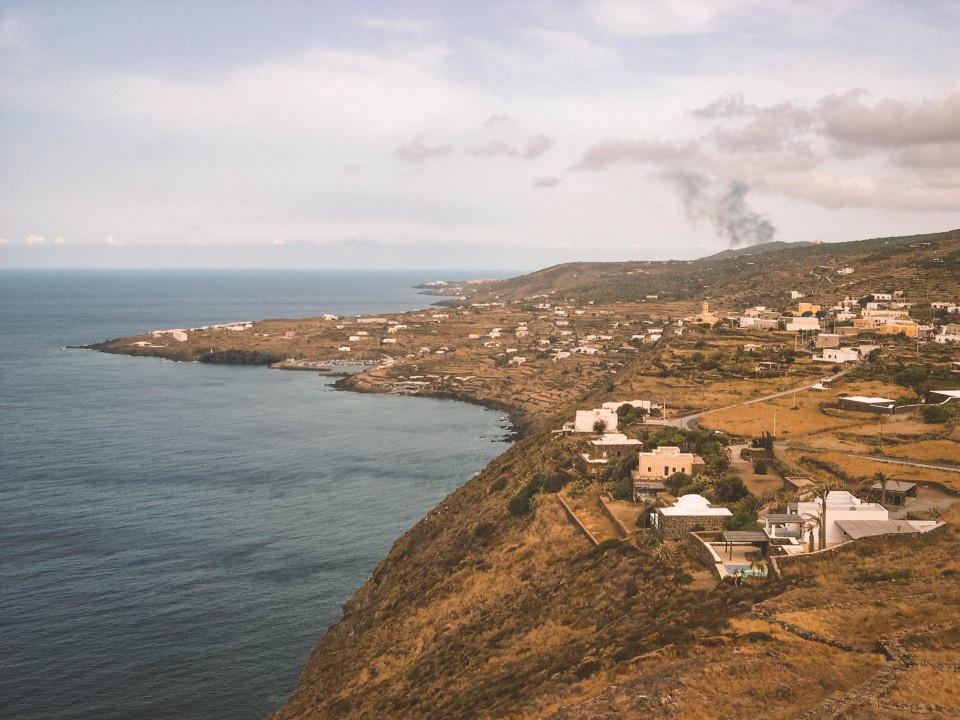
(907, 327)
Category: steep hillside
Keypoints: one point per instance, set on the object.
(477, 613)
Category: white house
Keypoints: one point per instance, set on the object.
(838, 355)
(796, 324)
(841, 506)
(644, 404)
(587, 419)
(846, 518)
(945, 396)
(948, 334)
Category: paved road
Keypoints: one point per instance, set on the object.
(689, 421)
(875, 458)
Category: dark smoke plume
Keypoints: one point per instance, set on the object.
(734, 221)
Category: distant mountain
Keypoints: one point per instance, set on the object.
(759, 275)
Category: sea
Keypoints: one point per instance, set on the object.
(175, 537)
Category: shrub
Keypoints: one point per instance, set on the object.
(677, 482)
(555, 483)
(683, 578)
(623, 490)
(760, 467)
(741, 520)
(729, 489)
(520, 502)
(936, 414)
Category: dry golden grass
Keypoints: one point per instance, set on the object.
(943, 451)
(588, 511)
(928, 686)
(861, 625)
(792, 423)
(734, 684)
(866, 467)
(934, 646)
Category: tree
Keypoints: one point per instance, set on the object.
(820, 492)
(809, 523)
(882, 480)
(753, 504)
(729, 488)
(599, 427)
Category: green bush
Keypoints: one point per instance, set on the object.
(936, 414)
(729, 489)
(554, 483)
(520, 502)
(760, 467)
(741, 520)
(623, 490)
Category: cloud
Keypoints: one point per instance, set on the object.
(610, 150)
(417, 151)
(546, 182)
(928, 155)
(890, 123)
(536, 146)
(628, 18)
(499, 120)
(278, 241)
(4, 241)
(835, 153)
(493, 148)
(35, 240)
(862, 191)
(770, 128)
(114, 242)
(726, 106)
(531, 150)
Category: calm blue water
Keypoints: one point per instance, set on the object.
(175, 537)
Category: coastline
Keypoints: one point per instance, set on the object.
(520, 422)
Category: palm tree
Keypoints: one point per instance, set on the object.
(882, 480)
(810, 523)
(820, 492)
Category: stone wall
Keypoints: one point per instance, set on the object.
(677, 527)
(696, 543)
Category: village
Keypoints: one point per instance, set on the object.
(638, 477)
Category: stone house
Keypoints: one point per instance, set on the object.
(691, 513)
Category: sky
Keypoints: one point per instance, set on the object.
(497, 134)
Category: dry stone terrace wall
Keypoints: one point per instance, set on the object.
(674, 527)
